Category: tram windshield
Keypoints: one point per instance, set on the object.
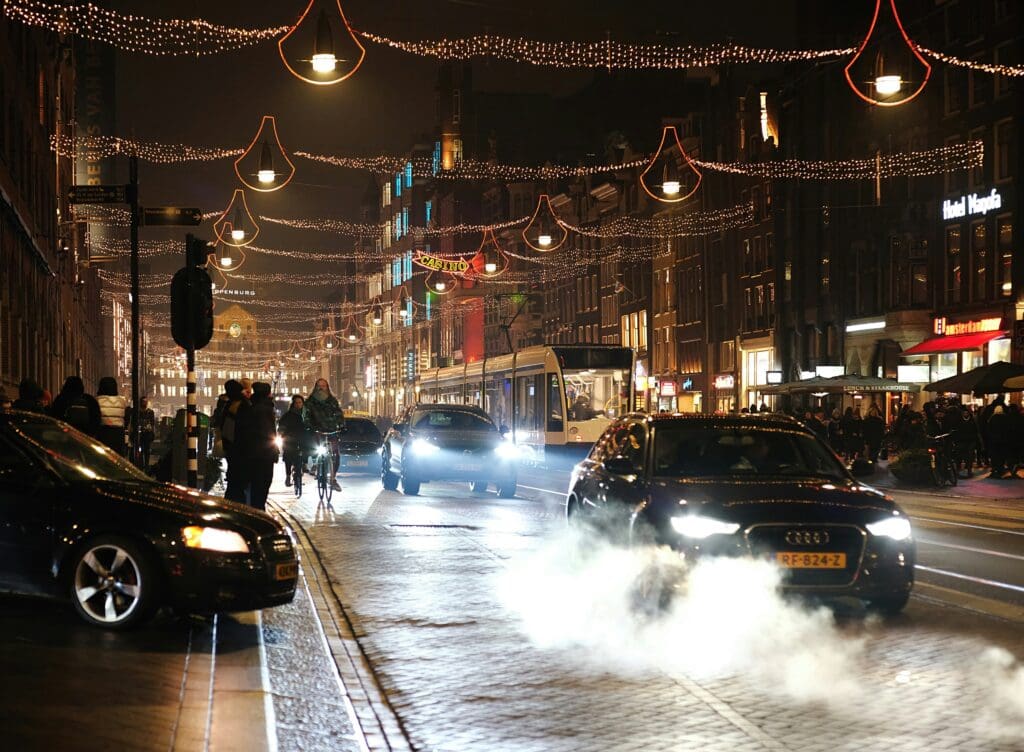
(592, 393)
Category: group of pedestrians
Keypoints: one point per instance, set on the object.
(851, 434)
(246, 427)
(105, 417)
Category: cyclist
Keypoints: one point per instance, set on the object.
(324, 416)
(294, 437)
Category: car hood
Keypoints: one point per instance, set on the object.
(358, 447)
(765, 500)
(193, 507)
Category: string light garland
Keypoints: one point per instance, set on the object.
(687, 225)
(905, 164)
(356, 229)
(133, 33)
(100, 147)
(993, 68)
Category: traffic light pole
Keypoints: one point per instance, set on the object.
(191, 422)
(133, 181)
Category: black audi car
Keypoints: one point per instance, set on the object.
(761, 486)
(78, 522)
(448, 442)
(359, 447)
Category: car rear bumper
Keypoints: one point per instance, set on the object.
(359, 463)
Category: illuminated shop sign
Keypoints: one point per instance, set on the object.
(687, 384)
(725, 382)
(774, 377)
(971, 205)
(668, 389)
(437, 264)
(941, 326)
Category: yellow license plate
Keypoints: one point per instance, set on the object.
(286, 571)
(810, 560)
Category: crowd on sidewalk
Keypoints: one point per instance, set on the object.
(989, 437)
(107, 416)
(246, 433)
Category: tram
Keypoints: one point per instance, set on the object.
(556, 400)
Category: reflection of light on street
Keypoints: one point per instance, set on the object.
(903, 677)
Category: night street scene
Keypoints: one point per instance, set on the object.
(511, 376)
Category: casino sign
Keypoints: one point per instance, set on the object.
(438, 264)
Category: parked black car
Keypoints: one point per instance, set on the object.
(359, 447)
(79, 522)
(448, 442)
(748, 486)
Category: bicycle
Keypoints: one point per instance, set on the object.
(325, 470)
(941, 455)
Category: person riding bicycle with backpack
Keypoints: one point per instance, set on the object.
(323, 415)
(294, 436)
(77, 408)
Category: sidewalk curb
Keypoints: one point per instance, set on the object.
(376, 719)
(937, 495)
(975, 604)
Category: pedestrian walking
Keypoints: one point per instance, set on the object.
(77, 408)
(113, 408)
(147, 430)
(30, 397)
(835, 431)
(236, 436)
(264, 452)
(998, 441)
(965, 441)
(874, 432)
(294, 436)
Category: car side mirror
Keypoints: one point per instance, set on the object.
(619, 465)
(399, 428)
(861, 468)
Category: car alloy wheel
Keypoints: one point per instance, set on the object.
(112, 583)
(387, 478)
(507, 488)
(478, 486)
(410, 486)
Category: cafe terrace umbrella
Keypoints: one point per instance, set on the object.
(847, 384)
(990, 379)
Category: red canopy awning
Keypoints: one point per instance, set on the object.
(953, 343)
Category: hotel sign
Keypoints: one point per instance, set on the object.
(971, 205)
(438, 264)
(725, 381)
(941, 326)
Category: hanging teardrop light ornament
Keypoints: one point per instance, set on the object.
(490, 261)
(352, 333)
(671, 176)
(404, 303)
(329, 343)
(296, 352)
(441, 283)
(270, 173)
(545, 232)
(236, 226)
(331, 29)
(377, 314)
(886, 69)
(225, 258)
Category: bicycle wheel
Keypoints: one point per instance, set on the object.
(328, 477)
(321, 479)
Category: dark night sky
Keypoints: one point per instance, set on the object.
(218, 100)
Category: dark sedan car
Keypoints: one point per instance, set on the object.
(359, 447)
(448, 442)
(79, 522)
(748, 486)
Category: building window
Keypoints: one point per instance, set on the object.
(456, 106)
(979, 86)
(1006, 54)
(748, 263)
(408, 174)
(976, 177)
(979, 260)
(953, 272)
(759, 264)
(954, 178)
(919, 284)
(1003, 152)
(1004, 237)
(825, 270)
(953, 89)
(748, 309)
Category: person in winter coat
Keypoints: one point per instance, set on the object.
(294, 436)
(112, 412)
(999, 441)
(76, 408)
(874, 432)
(324, 415)
(30, 397)
(237, 432)
(835, 432)
(852, 444)
(264, 451)
(965, 440)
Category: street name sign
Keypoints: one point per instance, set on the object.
(99, 194)
(171, 216)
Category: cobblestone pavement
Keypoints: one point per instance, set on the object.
(419, 578)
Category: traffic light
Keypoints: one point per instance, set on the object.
(192, 299)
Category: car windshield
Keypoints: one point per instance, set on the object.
(76, 456)
(452, 420)
(361, 430)
(688, 451)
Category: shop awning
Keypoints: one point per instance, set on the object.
(952, 343)
(848, 384)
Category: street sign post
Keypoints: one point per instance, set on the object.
(171, 216)
(101, 194)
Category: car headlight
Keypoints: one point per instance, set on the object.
(507, 451)
(698, 526)
(321, 450)
(214, 539)
(422, 446)
(897, 528)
